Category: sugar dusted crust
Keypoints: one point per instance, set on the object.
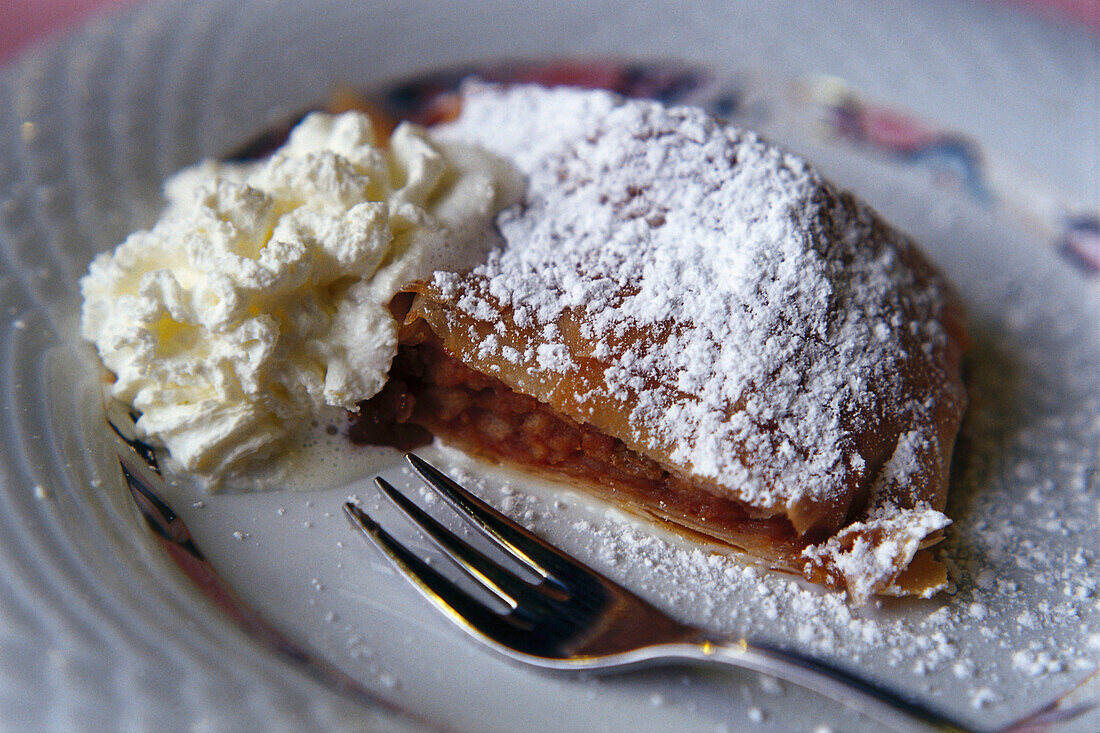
(719, 309)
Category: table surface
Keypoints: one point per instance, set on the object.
(29, 22)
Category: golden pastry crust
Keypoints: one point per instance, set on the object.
(722, 312)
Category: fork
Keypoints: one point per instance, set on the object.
(570, 617)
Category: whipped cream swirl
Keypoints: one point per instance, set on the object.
(257, 303)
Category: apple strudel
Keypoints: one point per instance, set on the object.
(696, 325)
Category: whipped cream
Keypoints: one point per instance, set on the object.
(257, 303)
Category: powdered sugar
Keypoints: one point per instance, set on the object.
(753, 318)
(724, 241)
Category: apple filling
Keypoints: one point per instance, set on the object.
(432, 393)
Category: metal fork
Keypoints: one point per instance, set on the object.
(573, 618)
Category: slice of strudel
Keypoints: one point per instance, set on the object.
(696, 325)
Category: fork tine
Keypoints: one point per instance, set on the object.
(517, 541)
(501, 582)
(465, 610)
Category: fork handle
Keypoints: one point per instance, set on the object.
(879, 704)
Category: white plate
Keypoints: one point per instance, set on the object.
(99, 631)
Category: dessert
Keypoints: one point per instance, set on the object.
(661, 309)
(696, 325)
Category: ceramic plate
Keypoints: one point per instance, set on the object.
(969, 126)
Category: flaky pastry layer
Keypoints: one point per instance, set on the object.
(787, 362)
